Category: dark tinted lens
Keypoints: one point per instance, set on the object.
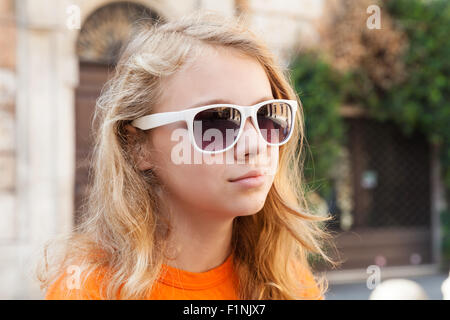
(275, 121)
(216, 128)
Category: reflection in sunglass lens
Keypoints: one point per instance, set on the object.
(215, 129)
(275, 121)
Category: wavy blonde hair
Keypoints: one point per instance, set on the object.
(123, 230)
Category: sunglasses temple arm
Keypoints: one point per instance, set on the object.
(156, 120)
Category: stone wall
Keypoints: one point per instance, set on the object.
(8, 183)
(287, 26)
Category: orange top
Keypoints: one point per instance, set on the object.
(173, 284)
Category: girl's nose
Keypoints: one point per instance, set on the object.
(250, 142)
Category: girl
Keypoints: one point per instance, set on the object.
(197, 190)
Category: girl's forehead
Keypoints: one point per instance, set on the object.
(215, 74)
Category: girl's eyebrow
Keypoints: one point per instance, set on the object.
(218, 101)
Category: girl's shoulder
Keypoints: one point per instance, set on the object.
(74, 284)
(309, 287)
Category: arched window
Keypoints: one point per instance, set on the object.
(108, 29)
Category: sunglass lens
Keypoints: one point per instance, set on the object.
(215, 129)
(275, 121)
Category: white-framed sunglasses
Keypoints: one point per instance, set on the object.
(216, 128)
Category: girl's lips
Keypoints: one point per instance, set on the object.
(250, 182)
(250, 174)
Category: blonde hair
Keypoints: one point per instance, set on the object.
(123, 231)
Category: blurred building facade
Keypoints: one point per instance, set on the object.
(50, 77)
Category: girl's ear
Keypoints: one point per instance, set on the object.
(144, 164)
(130, 129)
(137, 141)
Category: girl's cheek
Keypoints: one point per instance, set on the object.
(273, 159)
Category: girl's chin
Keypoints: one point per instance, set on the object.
(246, 209)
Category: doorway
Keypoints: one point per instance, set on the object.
(99, 44)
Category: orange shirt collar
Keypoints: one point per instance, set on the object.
(197, 280)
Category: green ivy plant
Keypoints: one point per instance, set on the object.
(422, 101)
(321, 91)
(419, 102)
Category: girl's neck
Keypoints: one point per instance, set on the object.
(199, 244)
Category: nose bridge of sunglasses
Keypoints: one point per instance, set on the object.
(247, 114)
